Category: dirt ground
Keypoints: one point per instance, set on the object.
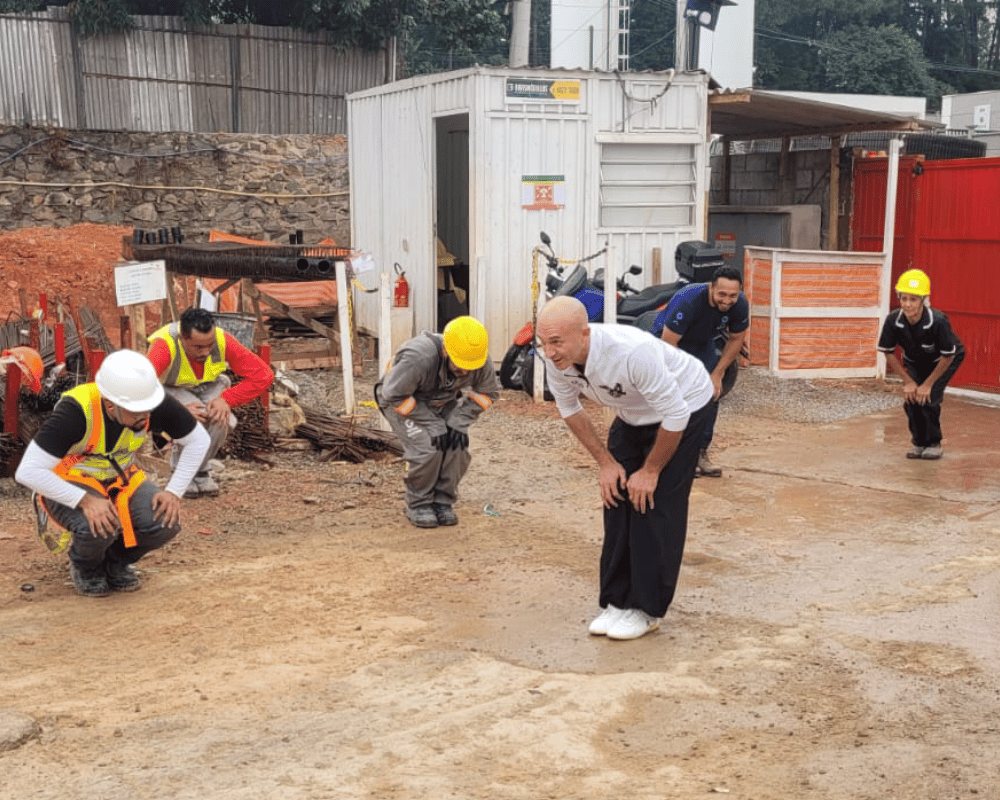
(835, 633)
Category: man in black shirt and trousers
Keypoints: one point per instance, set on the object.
(931, 355)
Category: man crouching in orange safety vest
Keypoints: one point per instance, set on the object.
(81, 467)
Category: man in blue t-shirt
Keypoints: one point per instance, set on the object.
(698, 320)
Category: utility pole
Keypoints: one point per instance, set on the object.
(520, 30)
(681, 38)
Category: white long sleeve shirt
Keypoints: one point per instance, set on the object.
(642, 377)
(67, 424)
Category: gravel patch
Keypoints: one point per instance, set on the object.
(762, 394)
(757, 393)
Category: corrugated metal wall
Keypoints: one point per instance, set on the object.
(165, 75)
(393, 203)
(948, 221)
(868, 208)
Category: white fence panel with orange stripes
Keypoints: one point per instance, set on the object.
(814, 313)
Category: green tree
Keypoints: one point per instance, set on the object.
(460, 25)
(651, 34)
(882, 60)
(955, 37)
(453, 34)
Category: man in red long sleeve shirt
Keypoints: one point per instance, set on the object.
(191, 358)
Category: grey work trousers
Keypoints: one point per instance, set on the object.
(89, 552)
(204, 393)
(432, 476)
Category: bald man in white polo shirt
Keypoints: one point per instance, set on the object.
(663, 397)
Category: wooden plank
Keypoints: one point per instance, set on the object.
(346, 337)
(137, 314)
(288, 311)
(172, 298)
(303, 362)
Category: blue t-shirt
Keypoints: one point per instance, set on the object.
(698, 323)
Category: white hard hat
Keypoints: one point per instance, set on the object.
(128, 379)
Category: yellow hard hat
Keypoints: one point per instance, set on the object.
(914, 281)
(466, 342)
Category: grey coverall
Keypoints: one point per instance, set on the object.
(421, 399)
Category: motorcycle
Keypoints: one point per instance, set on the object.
(575, 284)
(640, 308)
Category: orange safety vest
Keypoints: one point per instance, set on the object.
(180, 372)
(91, 462)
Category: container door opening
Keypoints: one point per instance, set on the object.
(452, 217)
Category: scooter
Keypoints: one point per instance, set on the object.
(634, 307)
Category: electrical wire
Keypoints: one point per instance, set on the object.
(781, 36)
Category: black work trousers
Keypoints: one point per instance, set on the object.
(642, 553)
(925, 420)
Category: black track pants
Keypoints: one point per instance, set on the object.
(642, 553)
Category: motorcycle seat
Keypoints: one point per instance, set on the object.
(649, 298)
(574, 282)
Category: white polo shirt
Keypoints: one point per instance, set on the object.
(645, 379)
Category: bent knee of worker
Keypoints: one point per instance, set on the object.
(156, 535)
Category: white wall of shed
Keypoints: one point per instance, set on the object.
(392, 169)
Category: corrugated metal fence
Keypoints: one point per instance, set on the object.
(947, 224)
(165, 75)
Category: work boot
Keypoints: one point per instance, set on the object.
(422, 517)
(122, 577)
(207, 485)
(88, 582)
(202, 485)
(706, 467)
(445, 514)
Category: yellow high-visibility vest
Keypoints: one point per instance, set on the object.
(180, 372)
(91, 456)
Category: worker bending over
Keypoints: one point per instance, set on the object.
(436, 387)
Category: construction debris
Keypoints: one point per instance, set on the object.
(345, 439)
(251, 437)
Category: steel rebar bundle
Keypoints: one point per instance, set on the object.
(251, 436)
(345, 439)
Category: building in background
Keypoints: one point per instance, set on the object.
(727, 52)
(977, 113)
(590, 34)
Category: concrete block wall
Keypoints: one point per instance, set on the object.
(755, 180)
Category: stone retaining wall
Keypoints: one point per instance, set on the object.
(260, 186)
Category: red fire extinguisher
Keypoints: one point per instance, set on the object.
(402, 290)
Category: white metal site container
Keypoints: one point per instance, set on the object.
(486, 158)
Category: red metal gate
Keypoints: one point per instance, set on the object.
(947, 224)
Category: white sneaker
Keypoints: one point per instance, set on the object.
(632, 624)
(601, 623)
